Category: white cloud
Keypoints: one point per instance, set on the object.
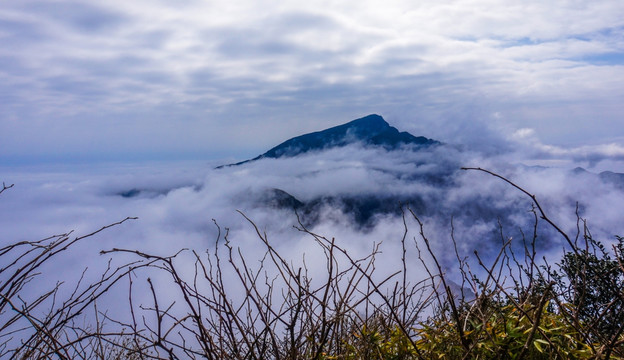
(146, 66)
(523, 133)
(529, 146)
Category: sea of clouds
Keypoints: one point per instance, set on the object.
(178, 203)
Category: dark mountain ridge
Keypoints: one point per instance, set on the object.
(607, 177)
(371, 130)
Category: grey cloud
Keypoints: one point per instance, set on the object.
(288, 69)
(297, 21)
(75, 87)
(245, 46)
(77, 15)
(271, 38)
(18, 31)
(12, 66)
(152, 39)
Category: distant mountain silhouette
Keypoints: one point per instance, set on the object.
(607, 177)
(615, 179)
(371, 130)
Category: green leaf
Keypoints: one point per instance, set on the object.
(537, 343)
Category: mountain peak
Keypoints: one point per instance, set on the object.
(369, 130)
(368, 124)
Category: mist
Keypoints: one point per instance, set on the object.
(178, 203)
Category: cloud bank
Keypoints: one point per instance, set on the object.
(176, 202)
(191, 205)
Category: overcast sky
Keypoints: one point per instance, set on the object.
(115, 80)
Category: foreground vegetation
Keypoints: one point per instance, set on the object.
(221, 305)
